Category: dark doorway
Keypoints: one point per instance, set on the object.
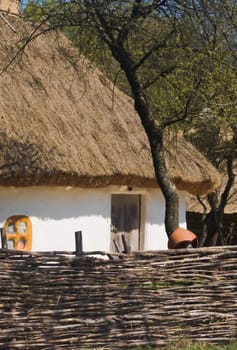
(125, 222)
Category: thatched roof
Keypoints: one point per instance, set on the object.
(64, 123)
(193, 205)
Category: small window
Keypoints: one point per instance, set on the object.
(22, 227)
(21, 244)
(18, 230)
(10, 228)
(10, 244)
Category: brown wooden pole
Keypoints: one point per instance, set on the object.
(3, 238)
(79, 245)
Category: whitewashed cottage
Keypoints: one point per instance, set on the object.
(74, 156)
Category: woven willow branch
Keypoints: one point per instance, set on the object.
(55, 300)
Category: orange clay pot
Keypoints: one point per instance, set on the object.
(181, 237)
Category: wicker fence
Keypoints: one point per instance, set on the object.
(62, 301)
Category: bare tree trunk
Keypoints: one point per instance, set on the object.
(155, 134)
(213, 231)
(168, 188)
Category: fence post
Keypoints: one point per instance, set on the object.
(78, 240)
(3, 238)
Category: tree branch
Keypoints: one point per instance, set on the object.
(162, 74)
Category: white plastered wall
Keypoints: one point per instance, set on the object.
(57, 212)
(155, 236)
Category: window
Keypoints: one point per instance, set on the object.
(18, 230)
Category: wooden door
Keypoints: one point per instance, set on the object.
(125, 223)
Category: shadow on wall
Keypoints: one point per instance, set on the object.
(53, 203)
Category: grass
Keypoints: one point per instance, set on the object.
(200, 346)
(186, 346)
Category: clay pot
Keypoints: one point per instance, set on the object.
(182, 238)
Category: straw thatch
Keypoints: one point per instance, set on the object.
(148, 299)
(64, 123)
(11, 6)
(194, 205)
